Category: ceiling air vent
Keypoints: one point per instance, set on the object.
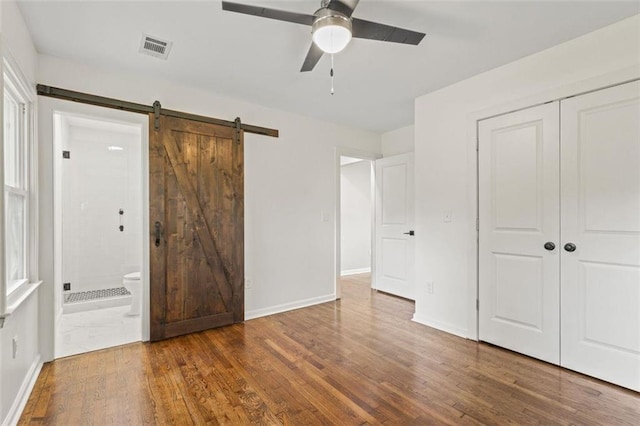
(154, 46)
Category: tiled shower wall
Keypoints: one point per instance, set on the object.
(101, 176)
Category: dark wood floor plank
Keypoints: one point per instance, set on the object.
(357, 361)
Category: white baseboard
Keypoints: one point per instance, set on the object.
(257, 313)
(13, 416)
(447, 328)
(355, 271)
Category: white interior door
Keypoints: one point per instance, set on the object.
(394, 224)
(601, 217)
(519, 213)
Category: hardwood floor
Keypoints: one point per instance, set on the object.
(360, 360)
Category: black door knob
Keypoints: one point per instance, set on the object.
(570, 247)
(549, 246)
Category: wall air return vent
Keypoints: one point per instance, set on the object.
(154, 46)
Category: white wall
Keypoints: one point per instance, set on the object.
(16, 373)
(289, 183)
(445, 126)
(17, 40)
(398, 141)
(356, 217)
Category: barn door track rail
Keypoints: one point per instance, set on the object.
(156, 109)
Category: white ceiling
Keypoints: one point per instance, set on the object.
(258, 60)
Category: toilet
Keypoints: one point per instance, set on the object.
(132, 283)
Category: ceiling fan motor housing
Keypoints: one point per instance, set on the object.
(331, 30)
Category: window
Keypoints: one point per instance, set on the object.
(17, 137)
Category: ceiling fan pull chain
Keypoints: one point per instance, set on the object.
(331, 74)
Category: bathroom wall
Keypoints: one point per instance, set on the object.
(355, 220)
(101, 177)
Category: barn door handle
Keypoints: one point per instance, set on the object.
(410, 233)
(570, 247)
(158, 233)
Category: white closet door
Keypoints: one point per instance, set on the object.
(601, 217)
(519, 213)
(394, 222)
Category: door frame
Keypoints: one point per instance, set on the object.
(363, 155)
(562, 92)
(47, 109)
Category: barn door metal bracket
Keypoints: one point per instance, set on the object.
(156, 115)
(238, 128)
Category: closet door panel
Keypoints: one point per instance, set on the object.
(519, 213)
(600, 291)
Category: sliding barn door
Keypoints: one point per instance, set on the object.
(601, 234)
(196, 227)
(519, 211)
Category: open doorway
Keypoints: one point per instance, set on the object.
(355, 217)
(98, 192)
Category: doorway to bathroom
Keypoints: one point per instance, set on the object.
(99, 232)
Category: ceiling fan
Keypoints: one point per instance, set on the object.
(332, 27)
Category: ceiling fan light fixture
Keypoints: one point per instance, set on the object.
(332, 32)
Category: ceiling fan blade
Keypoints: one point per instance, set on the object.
(263, 12)
(313, 56)
(343, 6)
(382, 32)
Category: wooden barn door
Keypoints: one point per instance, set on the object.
(196, 226)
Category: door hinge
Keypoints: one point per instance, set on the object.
(478, 144)
(66, 154)
(238, 128)
(156, 115)
(477, 304)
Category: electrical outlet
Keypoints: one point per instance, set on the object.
(14, 342)
(66, 286)
(429, 287)
(248, 283)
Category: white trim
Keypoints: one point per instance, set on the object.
(13, 416)
(26, 91)
(285, 307)
(355, 271)
(19, 295)
(595, 83)
(3, 288)
(364, 155)
(447, 328)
